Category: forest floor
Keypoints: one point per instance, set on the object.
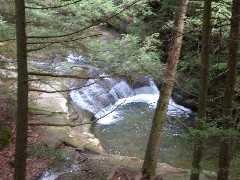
(35, 165)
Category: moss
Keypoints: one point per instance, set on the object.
(77, 143)
(5, 135)
(56, 154)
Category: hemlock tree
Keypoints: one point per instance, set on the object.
(202, 97)
(225, 144)
(22, 93)
(151, 156)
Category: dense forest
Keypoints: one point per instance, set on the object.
(67, 66)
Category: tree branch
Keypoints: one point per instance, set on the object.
(87, 27)
(58, 125)
(69, 40)
(6, 40)
(65, 76)
(40, 48)
(53, 7)
(65, 90)
(220, 74)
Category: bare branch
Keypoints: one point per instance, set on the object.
(53, 124)
(64, 90)
(53, 7)
(40, 48)
(46, 111)
(220, 74)
(34, 80)
(97, 119)
(65, 76)
(236, 116)
(62, 41)
(6, 40)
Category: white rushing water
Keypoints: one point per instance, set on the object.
(73, 59)
(103, 97)
(54, 173)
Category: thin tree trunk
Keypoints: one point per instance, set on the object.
(151, 156)
(225, 144)
(202, 98)
(22, 93)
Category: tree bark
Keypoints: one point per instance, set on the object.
(202, 98)
(151, 155)
(225, 144)
(22, 93)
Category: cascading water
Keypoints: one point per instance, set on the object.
(101, 97)
(124, 116)
(100, 94)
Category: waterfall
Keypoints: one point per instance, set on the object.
(102, 97)
(100, 94)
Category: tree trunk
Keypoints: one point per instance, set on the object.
(151, 156)
(22, 93)
(225, 144)
(202, 98)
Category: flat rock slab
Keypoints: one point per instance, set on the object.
(51, 102)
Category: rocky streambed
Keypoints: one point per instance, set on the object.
(67, 125)
(64, 126)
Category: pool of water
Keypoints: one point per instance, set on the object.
(126, 131)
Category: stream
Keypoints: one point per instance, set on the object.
(124, 116)
(128, 133)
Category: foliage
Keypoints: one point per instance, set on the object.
(128, 55)
(7, 31)
(6, 27)
(5, 135)
(219, 66)
(143, 52)
(78, 14)
(235, 163)
(211, 136)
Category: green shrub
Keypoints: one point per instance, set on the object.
(5, 135)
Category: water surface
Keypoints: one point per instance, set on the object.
(126, 130)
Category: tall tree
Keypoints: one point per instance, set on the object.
(202, 97)
(225, 144)
(22, 93)
(151, 156)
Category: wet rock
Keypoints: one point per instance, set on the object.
(184, 100)
(138, 82)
